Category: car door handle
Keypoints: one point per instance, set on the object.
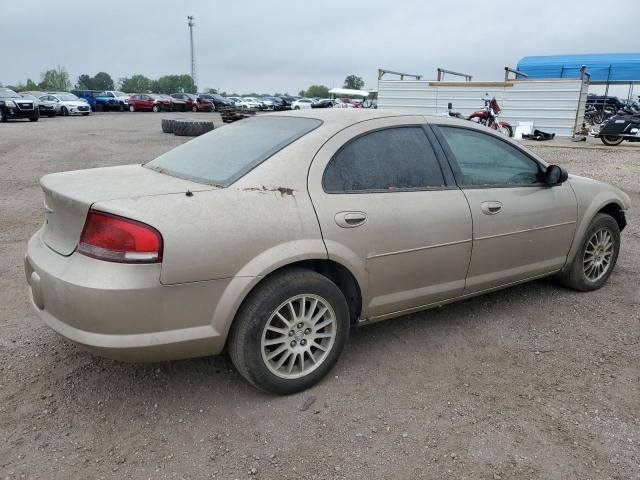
(491, 208)
(350, 219)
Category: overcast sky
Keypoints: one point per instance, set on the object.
(286, 45)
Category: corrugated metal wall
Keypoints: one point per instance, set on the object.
(552, 105)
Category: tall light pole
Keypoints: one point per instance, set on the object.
(193, 57)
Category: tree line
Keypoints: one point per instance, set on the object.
(58, 80)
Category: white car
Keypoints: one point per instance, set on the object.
(239, 102)
(301, 104)
(253, 103)
(69, 103)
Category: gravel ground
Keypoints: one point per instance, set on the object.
(534, 382)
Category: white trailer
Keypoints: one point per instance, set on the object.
(552, 105)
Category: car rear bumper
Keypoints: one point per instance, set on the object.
(123, 311)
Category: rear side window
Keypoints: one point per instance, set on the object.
(392, 159)
(224, 155)
(486, 160)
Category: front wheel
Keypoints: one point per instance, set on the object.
(506, 129)
(611, 140)
(156, 108)
(132, 108)
(290, 331)
(65, 112)
(194, 108)
(597, 256)
(34, 119)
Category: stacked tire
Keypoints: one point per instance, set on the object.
(186, 127)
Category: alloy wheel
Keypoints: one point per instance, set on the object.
(298, 336)
(598, 255)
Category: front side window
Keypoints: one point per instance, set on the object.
(486, 160)
(398, 158)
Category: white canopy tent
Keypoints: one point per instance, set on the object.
(348, 91)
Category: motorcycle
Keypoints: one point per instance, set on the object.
(488, 116)
(620, 127)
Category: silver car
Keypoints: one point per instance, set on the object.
(274, 236)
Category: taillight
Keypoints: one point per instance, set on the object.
(118, 239)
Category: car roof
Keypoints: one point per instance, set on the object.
(339, 118)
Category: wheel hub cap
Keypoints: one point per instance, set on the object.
(298, 336)
(598, 255)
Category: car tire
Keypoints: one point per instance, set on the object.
(167, 125)
(64, 112)
(611, 140)
(296, 108)
(85, 114)
(191, 128)
(194, 108)
(34, 119)
(586, 272)
(3, 116)
(132, 108)
(263, 321)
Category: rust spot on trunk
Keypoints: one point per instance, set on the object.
(283, 190)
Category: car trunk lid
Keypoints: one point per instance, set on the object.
(69, 195)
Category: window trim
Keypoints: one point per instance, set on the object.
(422, 126)
(455, 166)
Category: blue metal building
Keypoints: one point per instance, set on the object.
(605, 68)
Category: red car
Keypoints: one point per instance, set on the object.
(194, 103)
(148, 101)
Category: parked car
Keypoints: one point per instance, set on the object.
(148, 102)
(239, 102)
(174, 104)
(264, 249)
(69, 103)
(46, 108)
(90, 97)
(276, 103)
(301, 104)
(218, 101)
(193, 102)
(286, 102)
(268, 103)
(13, 106)
(253, 103)
(323, 103)
(121, 98)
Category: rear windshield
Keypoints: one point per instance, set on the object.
(224, 155)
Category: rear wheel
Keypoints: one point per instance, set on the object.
(194, 108)
(597, 256)
(611, 140)
(34, 119)
(290, 331)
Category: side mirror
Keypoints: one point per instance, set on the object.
(450, 105)
(555, 175)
